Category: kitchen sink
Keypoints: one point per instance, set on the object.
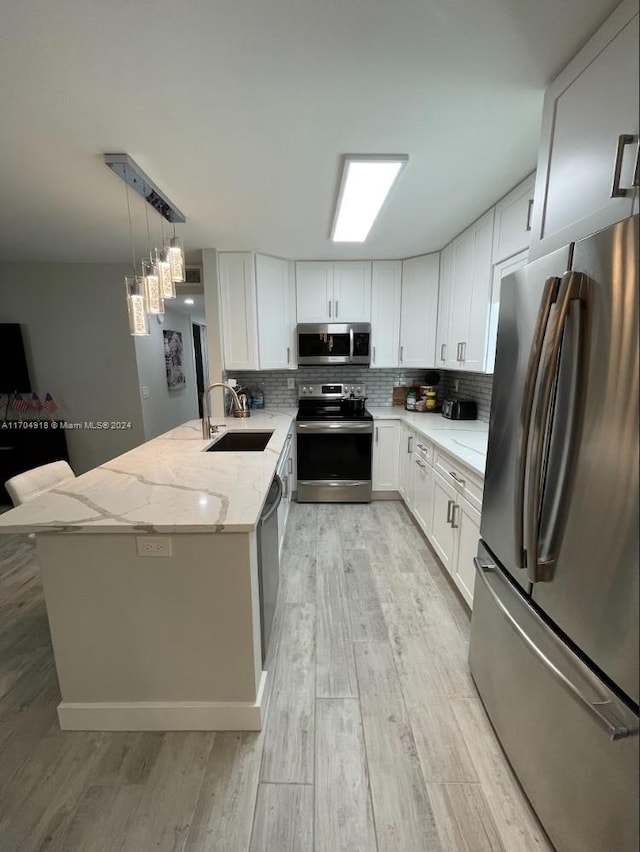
(240, 442)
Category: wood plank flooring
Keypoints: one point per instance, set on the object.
(375, 739)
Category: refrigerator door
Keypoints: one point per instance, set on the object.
(527, 301)
(572, 743)
(590, 534)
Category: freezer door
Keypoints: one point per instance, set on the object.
(571, 742)
(527, 301)
(588, 494)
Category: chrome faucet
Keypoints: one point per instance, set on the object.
(207, 428)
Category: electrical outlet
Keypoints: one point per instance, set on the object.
(146, 393)
(291, 383)
(456, 385)
(154, 545)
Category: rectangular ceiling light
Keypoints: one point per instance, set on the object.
(366, 182)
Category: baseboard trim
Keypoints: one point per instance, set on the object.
(386, 495)
(164, 715)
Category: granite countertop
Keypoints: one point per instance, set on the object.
(167, 485)
(466, 440)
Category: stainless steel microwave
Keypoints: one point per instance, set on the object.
(334, 343)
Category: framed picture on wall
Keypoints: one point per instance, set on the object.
(174, 359)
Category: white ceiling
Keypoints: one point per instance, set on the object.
(240, 111)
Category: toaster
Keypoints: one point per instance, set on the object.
(459, 409)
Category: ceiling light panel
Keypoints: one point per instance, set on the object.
(366, 182)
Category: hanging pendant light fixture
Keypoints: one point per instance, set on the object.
(175, 256)
(155, 302)
(167, 287)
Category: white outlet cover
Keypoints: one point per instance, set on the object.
(146, 393)
(154, 545)
(291, 383)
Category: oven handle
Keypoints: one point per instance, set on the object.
(325, 427)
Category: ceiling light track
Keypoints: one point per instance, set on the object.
(131, 173)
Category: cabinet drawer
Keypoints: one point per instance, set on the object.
(469, 485)
(423, 449)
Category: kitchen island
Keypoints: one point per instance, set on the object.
(158, 642)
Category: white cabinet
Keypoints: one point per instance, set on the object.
(285, 472)
(466, 521)
(406, 477)
(512, 229)
(333, 292)
(423, 489)
(444, 305)
(468, 272)
(419, 310)
(500, 271)
(237, 292)
(587, 108)
(386, 455)
(443, 535)
(276, 310)
(386, 290)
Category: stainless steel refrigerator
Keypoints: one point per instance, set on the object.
(554, 631)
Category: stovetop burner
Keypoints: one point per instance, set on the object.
(324, 402)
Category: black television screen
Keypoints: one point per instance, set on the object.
(14, 375)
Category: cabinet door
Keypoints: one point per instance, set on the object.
(405, 485)
(386, 284)
(419, 310)
(443, 535)
(500, 271)
(460, 298)
(386, 446)
(444, 306)
(423, 493)
(475, 341)
(467, 524)
(237, 287)
(314, 291)
(512, 230)
(352, 291)
(586, 108)
(276, 302)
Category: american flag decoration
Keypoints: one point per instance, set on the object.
(49, 404)
(34, 402)
(19, 403)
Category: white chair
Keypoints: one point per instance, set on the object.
(32, 483)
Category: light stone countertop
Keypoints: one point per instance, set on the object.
(167, 485)
(466, 440)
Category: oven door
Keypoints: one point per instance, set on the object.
(334, 461)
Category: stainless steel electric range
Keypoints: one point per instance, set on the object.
(335, 440)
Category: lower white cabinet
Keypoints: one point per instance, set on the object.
(467, 524)
(405, 468)
(386, 446)
(286, 473)
(443, 534)
(423, 492)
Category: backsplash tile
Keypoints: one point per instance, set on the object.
(379, 384)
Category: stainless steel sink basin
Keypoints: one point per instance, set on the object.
(240, 442)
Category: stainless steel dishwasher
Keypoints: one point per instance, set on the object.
(268, 561)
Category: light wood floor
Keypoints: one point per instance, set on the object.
(375, 739)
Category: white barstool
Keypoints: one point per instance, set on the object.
(32, 483)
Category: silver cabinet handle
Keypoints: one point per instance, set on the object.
(616, 190)
(443, 350)
(458, 348)
(422, 447)
(419, 463)
(336, 309)
(329, 309)
(410, 443)
(288, 354)
(529, 211)
(374, 354)
(457, 478)
(376, 434)
(463, 350)
(402, 353)
(453, 516)
(290, 465)
(636, 171)
(450, 503)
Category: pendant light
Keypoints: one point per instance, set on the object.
(155, 303)
(135, 290)
(167, 286)
(175, 256)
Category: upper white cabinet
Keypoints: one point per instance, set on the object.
(463, 319)
(276, 301)
(512, 229)
(589, 143)
(333, 292)
(237, 290)
(386, 290)
(419, 310)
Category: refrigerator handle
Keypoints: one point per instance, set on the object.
(549, 296)
(617, 720)
(575, 285)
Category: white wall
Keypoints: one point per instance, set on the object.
(165, 409)
(76, 333)
(212, 310)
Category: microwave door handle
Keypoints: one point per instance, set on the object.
(351, 343)
(549, 296)
(575, 285)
